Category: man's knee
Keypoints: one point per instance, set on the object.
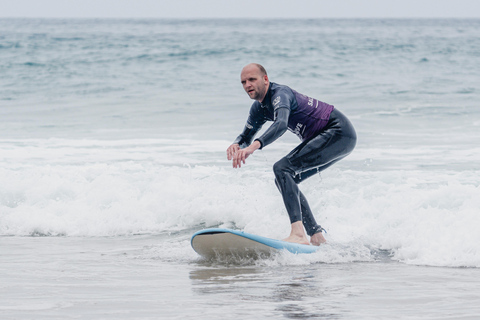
(282, 167)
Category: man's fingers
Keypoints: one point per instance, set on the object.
(234, 162)
(238, 157)
(237, 164)
(231, 151)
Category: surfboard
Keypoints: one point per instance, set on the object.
(214, 242)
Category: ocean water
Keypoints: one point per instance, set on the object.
(112, 154)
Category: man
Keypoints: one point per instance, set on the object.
(327, 136)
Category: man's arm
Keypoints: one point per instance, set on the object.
(246, 137)
(243, 140)
(277, 129)
(254, 123)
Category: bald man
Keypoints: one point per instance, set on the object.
(327, 136)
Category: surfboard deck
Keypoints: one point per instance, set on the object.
(213, 242)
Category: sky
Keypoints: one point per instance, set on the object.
(241, 9)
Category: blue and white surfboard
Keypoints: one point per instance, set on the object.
(224, 242)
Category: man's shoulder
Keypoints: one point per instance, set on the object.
(281, 88)
(282, 96)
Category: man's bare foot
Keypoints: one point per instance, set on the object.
(317, 239)
(297, 239)
(297, 234)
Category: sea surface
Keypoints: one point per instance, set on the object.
(112, 154)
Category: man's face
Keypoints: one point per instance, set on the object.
(254, 83)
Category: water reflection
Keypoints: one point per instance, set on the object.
(284, 292)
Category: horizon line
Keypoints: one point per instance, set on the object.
(232, 17)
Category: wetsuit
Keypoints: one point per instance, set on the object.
(327, 136)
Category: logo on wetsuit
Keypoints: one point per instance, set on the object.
(310, 102)
(298, 130)
(276, 101)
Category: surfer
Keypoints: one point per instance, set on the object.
(327, 136)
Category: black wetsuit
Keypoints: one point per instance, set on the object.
(327, 136)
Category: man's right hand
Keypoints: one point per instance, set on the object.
(239, 155)
(232, 150)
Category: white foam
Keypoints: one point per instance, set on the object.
(105, 188)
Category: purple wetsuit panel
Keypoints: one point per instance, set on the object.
(310, 117)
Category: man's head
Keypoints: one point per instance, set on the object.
(255, 81)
